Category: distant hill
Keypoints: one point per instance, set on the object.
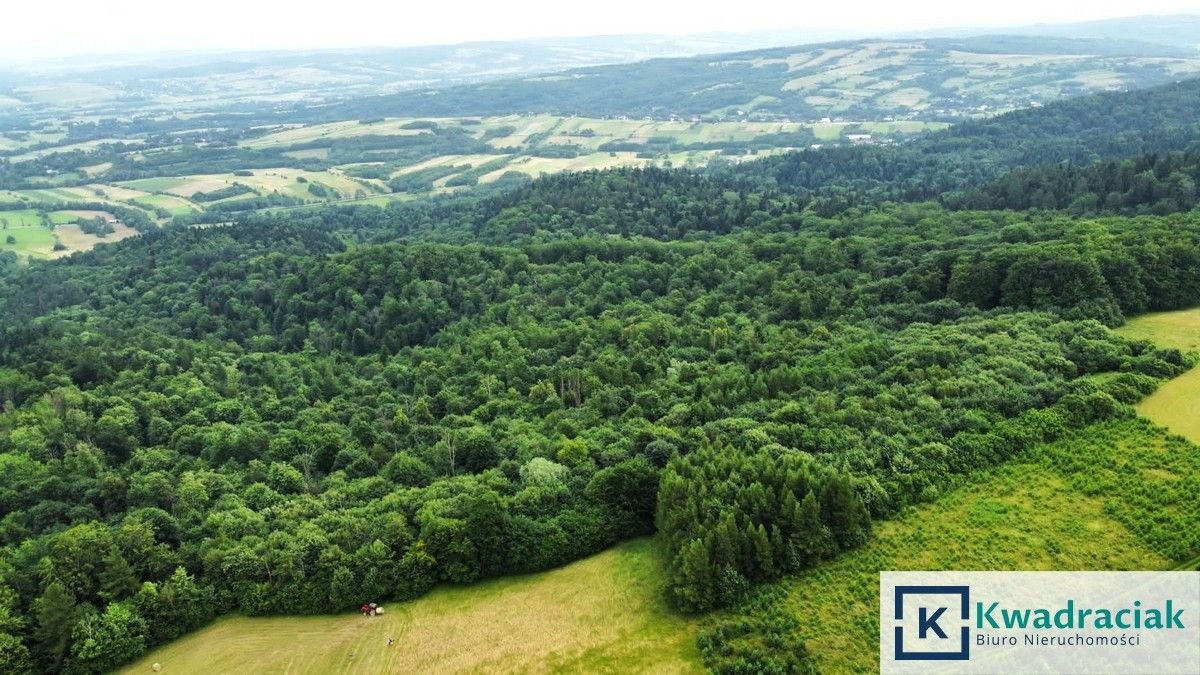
(941, 78)
(1182, 30)
(124, 84)
(216, 79)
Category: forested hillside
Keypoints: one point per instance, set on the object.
(1159, 183)
(297, 414)
(1081, 131)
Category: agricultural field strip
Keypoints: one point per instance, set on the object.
(571, 130)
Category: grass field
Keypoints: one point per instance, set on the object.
(454, 160)
(602, 614)
(331, 131)
(880, 74)
(174, 194)
(536, 166)
(20, 218)
(112, 192)
(174, 205)
(1118, 496)
(35, 241)
(1180, 329)
(153, 184)
(75, 239)
(1176, 405)
(67, 217)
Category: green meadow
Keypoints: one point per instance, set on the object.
(1176, 405)
(1116, 496)
(33, 241)
(20, 218)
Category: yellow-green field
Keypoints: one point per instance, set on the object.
(32, 237)
(75, 216)
(602, 614)
(1176, 405)
(34, 241)
(1065, 506)
(331, 131)
(173, 205)
(20, 218)
(1180, 329)
(75, 239)
(536, 166)
(48, 202)
(285, 181)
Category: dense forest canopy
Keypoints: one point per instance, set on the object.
(297, 414)
(1158, 183)
(1105, 127)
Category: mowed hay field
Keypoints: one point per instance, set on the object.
(1115, 496)
(1176, 405)
(75, 239)
(1180, 329)
(602, 614)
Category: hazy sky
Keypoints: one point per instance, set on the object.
(62, 27)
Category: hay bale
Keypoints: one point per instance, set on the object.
(157, 667)
(379, 610)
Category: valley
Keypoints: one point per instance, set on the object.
(375, 163)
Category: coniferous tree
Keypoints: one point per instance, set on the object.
(55, 613)
(843, 511)
(118, 580)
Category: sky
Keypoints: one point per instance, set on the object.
(72, 27)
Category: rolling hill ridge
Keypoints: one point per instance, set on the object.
(938, 78)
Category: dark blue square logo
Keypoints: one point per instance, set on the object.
(932, 612)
